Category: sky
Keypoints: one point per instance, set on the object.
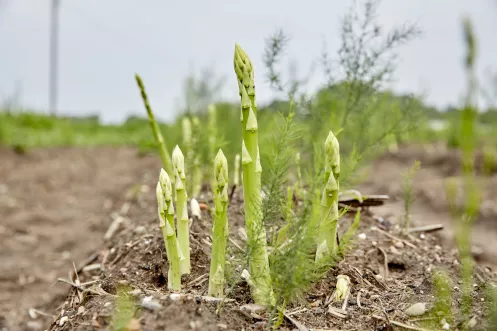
(103, 43)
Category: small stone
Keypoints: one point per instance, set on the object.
(107, 304)
(81, 310)
(140, 229)
(362, 236)
(123, 270)
(374, 243)
(175, 296)
(32, 313)
(399, 244)
(416, 309)
(438, 248)
(33, 325)
(253, 308)
(150, 303)
(135, 293)
(222, 326)
(318, 310)
(422, 236)
(455, 262)
(316, 303)
(63, 320)
(446, 326)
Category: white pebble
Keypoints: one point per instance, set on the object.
(140, 229)
(422, 236)
(416, 309)
(362, 236)
(150, 303)
(174, 296)
(446, 326)
(195, 208)
(63, 320)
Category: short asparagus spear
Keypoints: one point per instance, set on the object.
(261, 290)
(329, 199)
(182, 210)
(166, 211)
(220, 226)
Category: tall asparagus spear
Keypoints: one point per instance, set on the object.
(182, 210)
(164, 154)
(220, 226)
(329, 199)
(166, 218)
(261, 288)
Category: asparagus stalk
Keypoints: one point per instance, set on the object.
(181, 206)
(220, 226)
(164, 154)
(186, 126)
(236, 175)
(329, 199)
(212, 130)
(197, 169)
(261, 288)
(166, 211)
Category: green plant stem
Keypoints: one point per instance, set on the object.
(164, 154)
(182, 211)
(166, 211)
(174, 275)
(261, 289)
(236, 174)
(220, 227)
(329, 199)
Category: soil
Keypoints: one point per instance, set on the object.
(57, 206)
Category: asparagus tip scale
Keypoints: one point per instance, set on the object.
(251, 121)
(258, 167)
(246, 159)
(169, 229)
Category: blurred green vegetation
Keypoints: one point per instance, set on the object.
(388, 120)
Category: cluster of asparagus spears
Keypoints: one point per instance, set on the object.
(176, 238)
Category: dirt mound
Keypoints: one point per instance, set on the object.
(388, 272)
(56, 205)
